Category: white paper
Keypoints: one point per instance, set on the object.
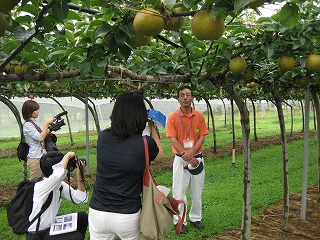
(163, 189)
(64, 224)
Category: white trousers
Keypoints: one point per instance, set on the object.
(106, 225)
(181, 179)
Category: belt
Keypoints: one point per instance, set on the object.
(199, 155)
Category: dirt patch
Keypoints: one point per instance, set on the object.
(266, 226)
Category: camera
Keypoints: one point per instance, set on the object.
(158, 118)
(72, 164)
(58, 122)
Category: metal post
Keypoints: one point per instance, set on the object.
(306, 155)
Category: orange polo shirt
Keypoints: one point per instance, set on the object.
(194, 126)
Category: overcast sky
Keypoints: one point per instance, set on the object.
(269, 9)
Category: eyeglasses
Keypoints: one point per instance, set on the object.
(185, 95)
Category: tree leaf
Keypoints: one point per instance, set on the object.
(32, 57)
(60, 10)
(160, 70)
(21, 34)
(30, 8)
(289, 15)
(56, 54)
(74, 16)
(156, 4)
(208, 85)
(85, 67)
(75, 52)
(120, 36)
(98, 64)
(127, 28)
(10, 46)
(268, 49)
(23, 19)
(238, 4)
(103, 30)
(186, 3)
(125, 51)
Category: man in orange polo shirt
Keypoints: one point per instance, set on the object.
(186, 129)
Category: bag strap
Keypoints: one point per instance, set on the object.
(39, 130)
(22, 137)
(173, 202)
(34, 124)
(42, 210)
(146, 177)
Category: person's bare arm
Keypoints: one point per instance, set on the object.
(155, 136)
(80, 180)
(188, 155)
(66, 158)
(175, 143)
(45, 130)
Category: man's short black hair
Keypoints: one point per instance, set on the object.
(48, 160)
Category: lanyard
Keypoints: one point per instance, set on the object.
(184, 127)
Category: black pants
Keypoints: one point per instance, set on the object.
(79, 234)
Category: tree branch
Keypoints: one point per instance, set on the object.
(147, 78)
(28, 40)
(9, 78)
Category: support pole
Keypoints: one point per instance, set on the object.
(306, 155)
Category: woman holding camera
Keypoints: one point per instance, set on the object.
(30, 113)
(115, 204)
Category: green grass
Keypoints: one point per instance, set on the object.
(222, 196)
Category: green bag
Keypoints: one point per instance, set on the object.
(157, 212)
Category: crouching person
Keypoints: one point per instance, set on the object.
(53, 166)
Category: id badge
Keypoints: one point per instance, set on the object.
(188, 144)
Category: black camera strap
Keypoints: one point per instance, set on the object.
(85, 187)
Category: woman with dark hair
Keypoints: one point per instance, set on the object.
(115, 204)
(53, 166)
(30, 112)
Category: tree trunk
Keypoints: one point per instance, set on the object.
(225, 113)
(314, 115)
(315, 98)
(233, 134)
(254, 121)
(213, 125)
(302, 111)
(305, 155)
(284, 144)
(245, 126)
(291, 117)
